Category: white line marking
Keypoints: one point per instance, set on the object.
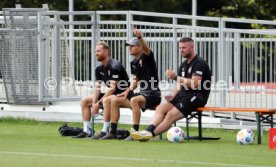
(128, 159)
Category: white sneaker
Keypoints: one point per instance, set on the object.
(143, 135)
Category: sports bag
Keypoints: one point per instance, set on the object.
(122, 134)
(66, 130)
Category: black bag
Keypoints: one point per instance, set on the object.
(66, 130)
(122, 134)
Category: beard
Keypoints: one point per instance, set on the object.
(100, 58)
(187, 55)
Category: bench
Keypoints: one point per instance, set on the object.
(262, 115)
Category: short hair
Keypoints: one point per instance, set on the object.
(105, 45)
(186, 39)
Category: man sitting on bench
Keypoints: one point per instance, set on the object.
(115, 77)
(192, 90)
(144, 71)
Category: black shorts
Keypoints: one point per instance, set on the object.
(153, 98)
(187, 103)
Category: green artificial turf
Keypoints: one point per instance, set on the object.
(26, 143)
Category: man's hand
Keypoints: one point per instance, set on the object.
(137, 32)
(124, 94)
(95, 109)
(169, 98)
(170, 74)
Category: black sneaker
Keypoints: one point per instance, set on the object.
(102, 134)
(109, 136)
(83, 135)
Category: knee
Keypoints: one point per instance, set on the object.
(170, 118)
(134, 101)
(114, 101)
(106, 101)
(160, 109)
(85, 101)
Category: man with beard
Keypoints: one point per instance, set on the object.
(115, 77)
(192, 90)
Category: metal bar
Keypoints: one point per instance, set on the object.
(199, 125)
(258, 128)
(187, 128)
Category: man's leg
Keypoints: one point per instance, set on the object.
(173, 115)
(116, 103)
(158, 117)
(106, 117)
(107, 109)
(136, 104)
(86, 103)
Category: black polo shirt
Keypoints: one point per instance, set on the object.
(197, 67)
(113, 71)
(145, 70)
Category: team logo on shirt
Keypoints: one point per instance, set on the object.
(190, 70)
(141, 62)
(183, 72)
(115, 76)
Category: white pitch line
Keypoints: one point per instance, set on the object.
(128, 159)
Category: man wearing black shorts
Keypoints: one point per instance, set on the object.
(193, 83)
(115, 77)
(144, 74)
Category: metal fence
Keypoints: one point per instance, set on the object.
(242, 60)
(19, 55)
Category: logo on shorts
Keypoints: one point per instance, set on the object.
(199, 72)
(181, 105)
(193, 98)
(101, 73)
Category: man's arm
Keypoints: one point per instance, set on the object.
(110, 90)
(189, 82)
(133, 86)
(186, 82)
(143, 43)
(96, 92)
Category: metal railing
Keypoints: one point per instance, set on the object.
(242, 61)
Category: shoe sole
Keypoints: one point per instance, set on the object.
(139, 137)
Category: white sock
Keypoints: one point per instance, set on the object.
(86, 127)
(105, 127)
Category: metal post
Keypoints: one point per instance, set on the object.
(199, 125)
(194, 12)
(40, 58)
(56, 57)
(92, 126)
(175, 50)
(259, 128)
(95, 36)
(71, 36)
(129, 36)
(187, 128)
(222, 76)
